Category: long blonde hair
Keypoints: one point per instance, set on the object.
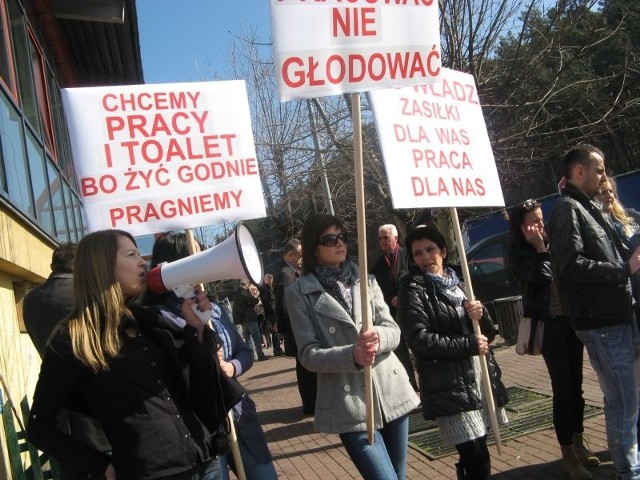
(99, 304)
(618, 212)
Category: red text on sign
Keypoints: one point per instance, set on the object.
(180, 148)
(353, 22)
(180, 123)
(440, 186)
(130, 102)
(427, 158)
(167, 209)
(298, 71)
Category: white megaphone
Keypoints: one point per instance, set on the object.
(236, 257)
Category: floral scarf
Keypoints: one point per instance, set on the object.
(447, 285)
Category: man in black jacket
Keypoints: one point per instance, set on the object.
(592, 270)
(287, 273)
(388, 268)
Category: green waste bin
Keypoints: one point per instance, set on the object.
(509, 311)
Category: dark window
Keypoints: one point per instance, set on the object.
(40, 73)
(40, 184)
(7, 76)
(16, 181)
(60, 212)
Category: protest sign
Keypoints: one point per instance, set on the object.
(435, 145)
(330, 47)
(158, 157)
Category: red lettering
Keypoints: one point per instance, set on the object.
(353, 22)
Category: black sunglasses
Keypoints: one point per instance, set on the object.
(332, 240)
(530, 204)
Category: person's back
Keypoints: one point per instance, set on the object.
(268, 299)
(245, 303)
(50, 302)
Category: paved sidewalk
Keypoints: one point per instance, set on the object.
(301, 454)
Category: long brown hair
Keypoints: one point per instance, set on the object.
(99, 304)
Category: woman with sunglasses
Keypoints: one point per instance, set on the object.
(530, 261)
(436, 321)
(324, 306)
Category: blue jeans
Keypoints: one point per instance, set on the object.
(252, 469)
(207, 471)
(386, 459)
(251, 331)
(613, 353)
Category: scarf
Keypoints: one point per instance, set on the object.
(335, 281)
(392, 261)
(447, 285)
(170, 309)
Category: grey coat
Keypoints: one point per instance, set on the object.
(326, 335)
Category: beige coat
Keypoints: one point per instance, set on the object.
(326, 335)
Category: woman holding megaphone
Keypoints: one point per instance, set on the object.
(235, 359)
(154, 386)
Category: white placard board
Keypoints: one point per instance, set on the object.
(159, 157)
(330, 47)
(435, 145)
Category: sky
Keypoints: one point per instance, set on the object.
(182, 41)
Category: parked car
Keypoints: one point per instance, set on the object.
(491, 277)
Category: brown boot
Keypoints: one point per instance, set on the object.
(586, 457)
(572, 466)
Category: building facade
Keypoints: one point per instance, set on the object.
(46, 45)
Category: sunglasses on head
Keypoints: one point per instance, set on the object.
(530, 204)
(332, 240)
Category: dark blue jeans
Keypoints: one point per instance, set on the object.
(386, 459)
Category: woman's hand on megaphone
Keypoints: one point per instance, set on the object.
(201, 303)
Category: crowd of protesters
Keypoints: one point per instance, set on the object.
(137, 365)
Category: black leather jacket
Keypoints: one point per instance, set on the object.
(431, 326)
(533, 273)
(591, 280)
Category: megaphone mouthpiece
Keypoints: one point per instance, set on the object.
(154, 280)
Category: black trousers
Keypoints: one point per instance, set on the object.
(563, 352)
(403, 354)
(308, 388)
(307, 380)
(474, 459)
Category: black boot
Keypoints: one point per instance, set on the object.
(460, 472)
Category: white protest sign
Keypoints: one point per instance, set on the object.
(158, 157)
(435, 145)
(330, 47)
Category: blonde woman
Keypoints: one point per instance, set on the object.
(626, 221)
(152, 385)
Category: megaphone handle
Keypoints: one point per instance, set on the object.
(187, 291)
